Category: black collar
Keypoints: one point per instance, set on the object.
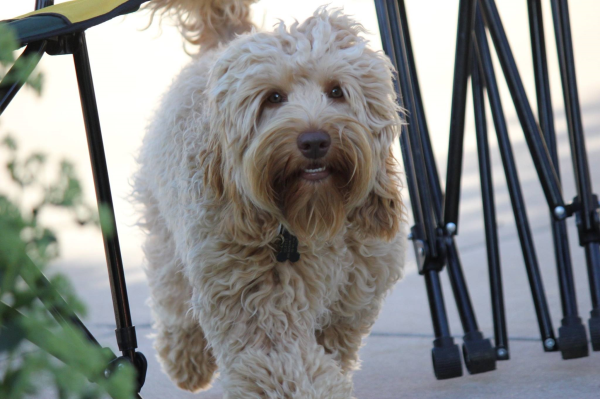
(288, 246)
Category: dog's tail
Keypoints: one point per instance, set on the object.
(207, 22)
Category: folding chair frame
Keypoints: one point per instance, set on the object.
(436, 215)
(75, 44)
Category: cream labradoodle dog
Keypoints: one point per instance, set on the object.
(264, 137)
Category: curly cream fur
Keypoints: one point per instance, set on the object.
(219, 173)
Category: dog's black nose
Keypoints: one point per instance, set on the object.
(314, 145)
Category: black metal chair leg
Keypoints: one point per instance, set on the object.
(533, 135)
(407, 101)
(592, 255)
(478, 352)
(43, 3)
(429, 191)
(572, 337)
(125, 331)
(516, 196)
(445, 354)
(560, 13)
(489, 215)
(585, 204)
(10, 85)
(466, 12)
(434, 180)
(57, 306)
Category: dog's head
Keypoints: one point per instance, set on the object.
(303, 120)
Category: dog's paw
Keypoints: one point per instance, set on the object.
(185, 358)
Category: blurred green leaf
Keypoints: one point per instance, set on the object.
(8, 43)
(10, 143)
(26, 247)
(23, 67)
(11, 336)
(106, 217)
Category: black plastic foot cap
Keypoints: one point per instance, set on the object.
(479, 354)
(594, 324)
(572, 341)
(446, 362)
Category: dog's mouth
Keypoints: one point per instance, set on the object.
(315, 172)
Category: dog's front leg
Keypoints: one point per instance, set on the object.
(180, 342)
(377, 266)
(291, 370)
(262, 335)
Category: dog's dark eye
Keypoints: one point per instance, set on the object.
(336, 92)
(275, 98)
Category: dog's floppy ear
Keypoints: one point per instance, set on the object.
(239, 218)
(382, 212)
(246, 223)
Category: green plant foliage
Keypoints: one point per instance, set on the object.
(26, 247)
(22, 70)
(41, 350)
